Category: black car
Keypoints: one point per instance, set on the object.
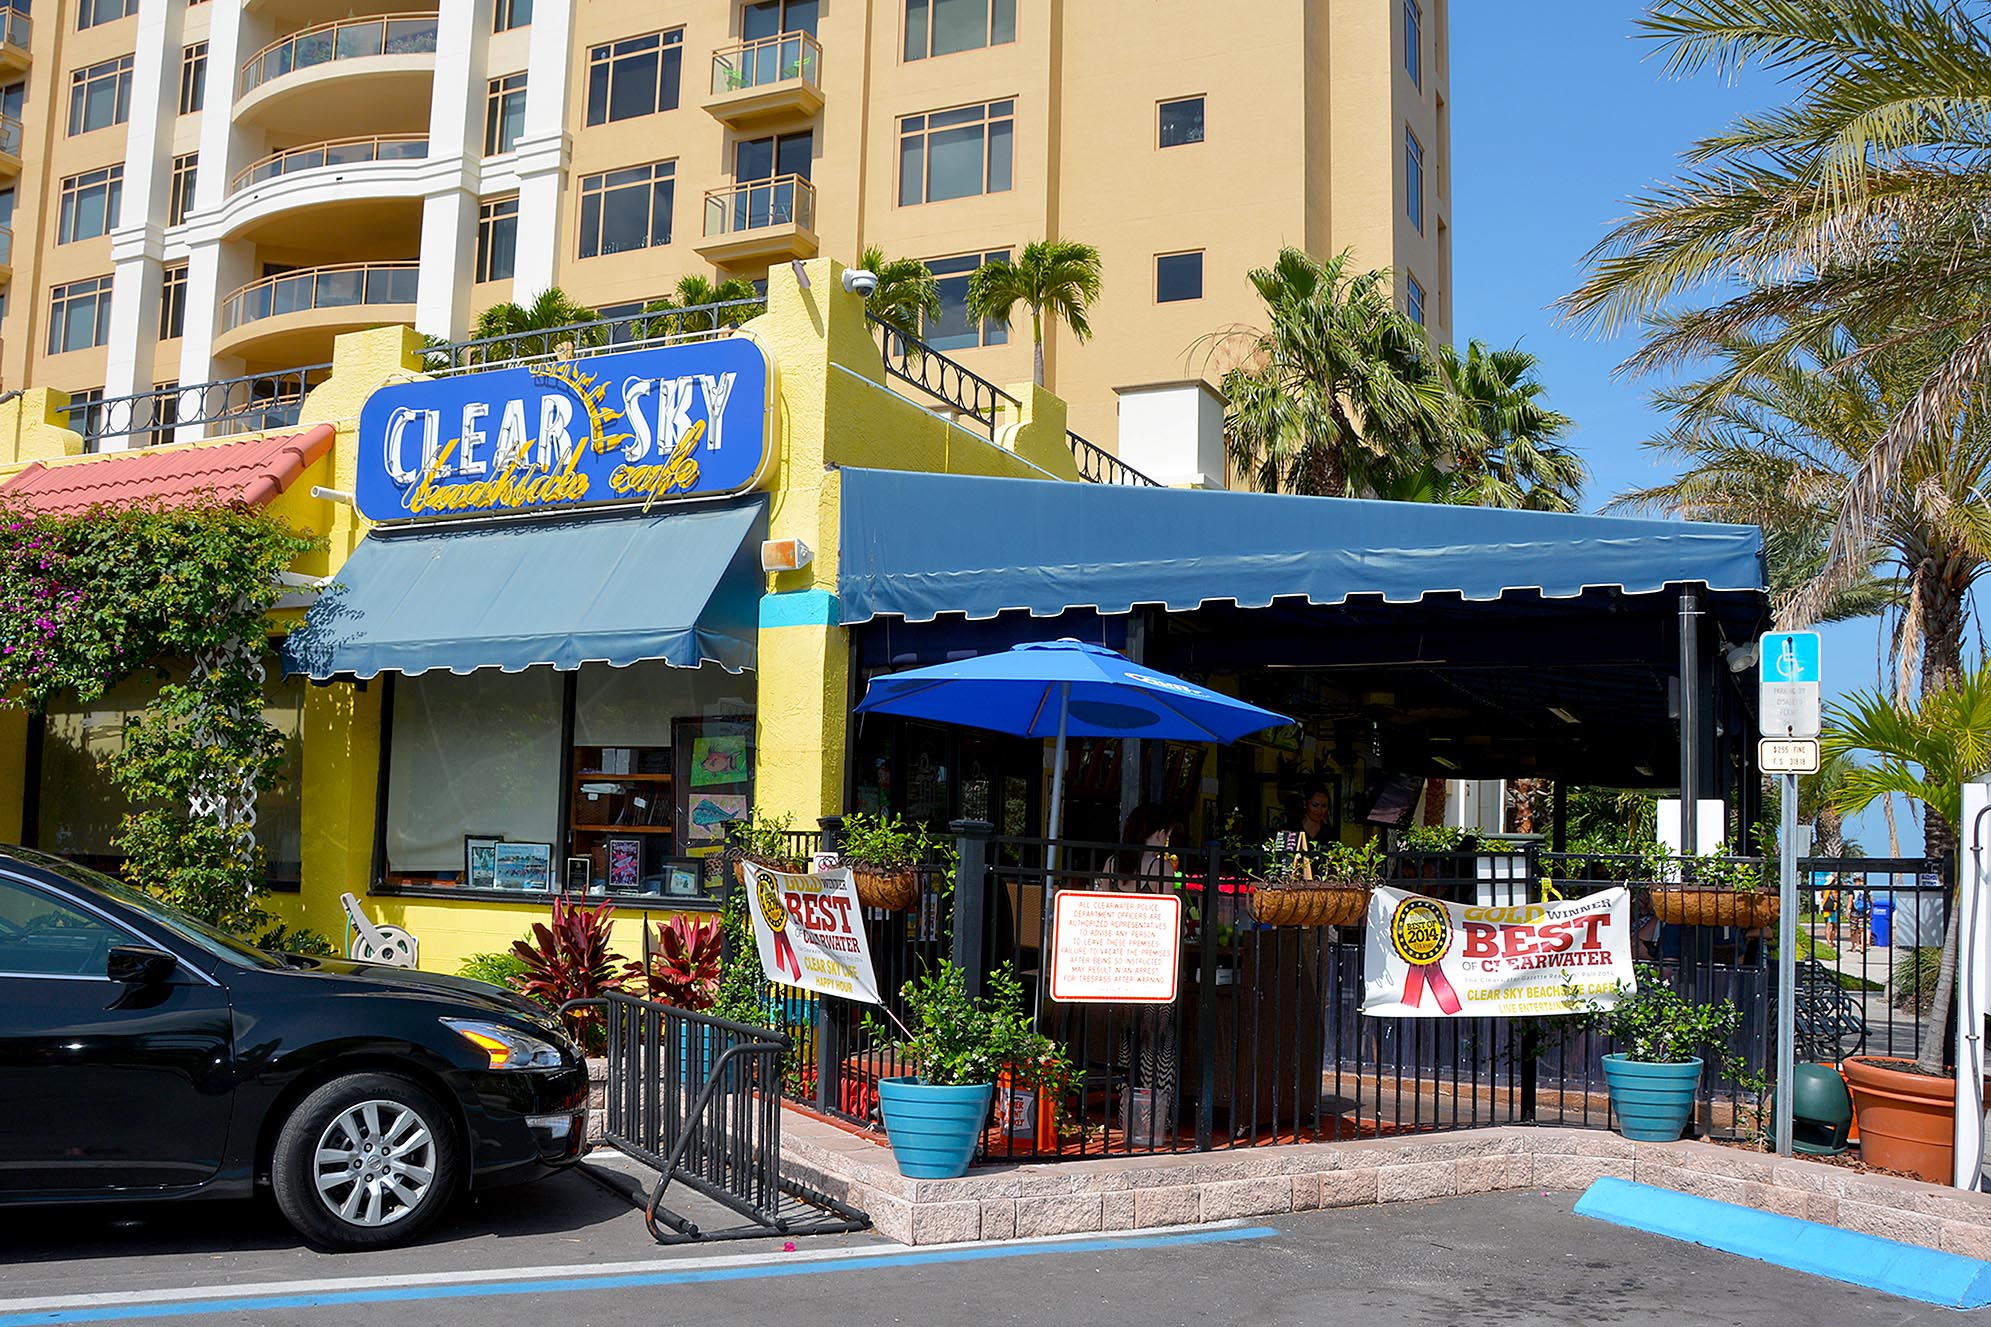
(146, 1055)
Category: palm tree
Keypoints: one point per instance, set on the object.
(1340, 395)
(1927, 751)
(1858, 202)
(550, 311)
(691, 309)
(1513, 453)
(1058, 277)
(907, 295)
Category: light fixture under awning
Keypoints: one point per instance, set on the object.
(683, 588)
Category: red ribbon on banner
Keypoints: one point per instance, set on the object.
(1429, 974)
(775, 913)
(1421, 934)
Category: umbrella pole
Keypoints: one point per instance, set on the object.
(1057, 820)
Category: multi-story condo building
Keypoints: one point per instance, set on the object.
(210, 190)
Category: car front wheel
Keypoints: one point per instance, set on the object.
(365, 1161)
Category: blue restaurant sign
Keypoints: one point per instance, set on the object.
(634, 427)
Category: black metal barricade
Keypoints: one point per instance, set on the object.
(697, 1099)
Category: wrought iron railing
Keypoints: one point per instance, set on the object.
(1096, 465)
(789, 57)
(758, 204)
(248, 404)
(336, 152)
(967, 395)
(662, 326)
(347, 285)
(345, 39)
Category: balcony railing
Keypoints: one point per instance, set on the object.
(789, 57)
(757, 204)
(16, 29)
(337, 152)
(6, 246)
(349, 285)
(347, 39)
(10, 136)
(227, 405)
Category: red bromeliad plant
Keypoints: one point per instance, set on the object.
(571, 960)
(685, 966)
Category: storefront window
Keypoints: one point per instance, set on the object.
(78, 809)
(660, 759)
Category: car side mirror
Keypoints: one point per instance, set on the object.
(137, 965)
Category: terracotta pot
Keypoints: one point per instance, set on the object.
(1907, 1121)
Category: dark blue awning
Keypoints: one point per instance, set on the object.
(918, 545)
(683, 588)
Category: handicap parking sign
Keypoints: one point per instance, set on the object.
(1790, 656)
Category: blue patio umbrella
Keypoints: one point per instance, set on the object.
(1061, 689)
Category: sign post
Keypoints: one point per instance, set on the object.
(1789, 684)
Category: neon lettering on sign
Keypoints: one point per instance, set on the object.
(636, 427)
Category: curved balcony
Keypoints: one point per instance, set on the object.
(319, 195)
(759, 221)
(295, 312)
(773, 76)
(17, 32)
(336, 152)
(371, 74)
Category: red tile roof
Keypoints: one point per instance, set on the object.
(252, 473)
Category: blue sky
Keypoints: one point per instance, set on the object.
(1560, 113)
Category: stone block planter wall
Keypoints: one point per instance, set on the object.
(1131, 1193)
(597, 1096)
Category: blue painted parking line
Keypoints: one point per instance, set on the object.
(199, 1302)
(1907, 1270)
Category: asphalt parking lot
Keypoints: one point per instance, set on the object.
(567, 1248)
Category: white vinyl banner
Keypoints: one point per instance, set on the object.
(1427, 958)
(810, 932)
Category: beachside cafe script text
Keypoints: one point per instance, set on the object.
(633, 427)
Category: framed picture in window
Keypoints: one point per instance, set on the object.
(480, 860)
(713, 781)
(579, 870)
(522, 866)
(625, 863)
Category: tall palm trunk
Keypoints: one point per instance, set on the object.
(1934, 592)
(1037, 344)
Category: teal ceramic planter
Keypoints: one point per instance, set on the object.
(933, 1130)
(1653, 1101)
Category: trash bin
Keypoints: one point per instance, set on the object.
(1882, 921)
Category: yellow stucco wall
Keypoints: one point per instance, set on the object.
(834, 407)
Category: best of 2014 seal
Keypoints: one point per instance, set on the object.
(768, 895)
(1421, 934)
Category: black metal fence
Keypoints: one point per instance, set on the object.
(693, 1097)
(247, 404)
(971, 398)
(658, 323)
(1096, 465)
(1265, 1041)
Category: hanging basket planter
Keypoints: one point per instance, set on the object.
(894, 888)
(1300, 902)
(1690, 905)
(766, 864)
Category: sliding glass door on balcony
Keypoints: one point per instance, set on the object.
(765, 171)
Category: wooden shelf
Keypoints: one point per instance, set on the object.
(603, 776)
(622, 829)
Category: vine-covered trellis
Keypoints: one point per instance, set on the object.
(184, 592)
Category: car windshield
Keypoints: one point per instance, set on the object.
(214, 940)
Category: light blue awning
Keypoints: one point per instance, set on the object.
(683, 588)
(918, 545)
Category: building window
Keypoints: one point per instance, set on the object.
(172, 301)
(625, 321)
(79, 315)
(1413, 180)
(165, 412)
(193, 78)
(92, 12)
(1414, 297)
(635, 76)
(180, 200)
(771, 18)
(1413, 41)
(86, 415)
(955, 329)
(627, 209)
(1178, 276)
(1181, 122)
(942, 27)
(100, 95)
(509, 14)
(504, 114)
(957, 153)
(13, 98)
(89, 205)
(497, 239)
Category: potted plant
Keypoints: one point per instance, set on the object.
(1725, 891)
(1928, 749)
(570, 959)
(1655, 1074)
(1323, 885)
(959, 1045)
(765, 841)
(884, 853)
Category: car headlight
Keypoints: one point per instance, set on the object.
(508, 1048)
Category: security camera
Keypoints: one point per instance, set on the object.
(860, 282)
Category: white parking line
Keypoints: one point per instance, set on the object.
(557, 1271)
